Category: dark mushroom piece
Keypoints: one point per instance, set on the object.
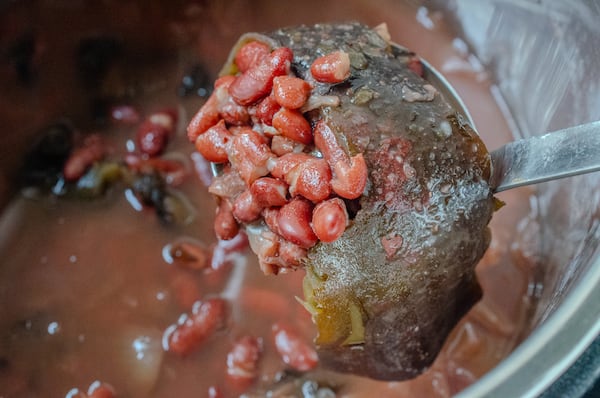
(386, 293)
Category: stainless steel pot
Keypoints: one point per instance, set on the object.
(546, 64)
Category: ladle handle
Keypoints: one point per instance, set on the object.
(562, 153)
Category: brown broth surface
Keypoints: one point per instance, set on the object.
(82, 281)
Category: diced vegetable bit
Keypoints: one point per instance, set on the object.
(95, 182)
(170, 206)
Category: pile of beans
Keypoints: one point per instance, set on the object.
(285, 177)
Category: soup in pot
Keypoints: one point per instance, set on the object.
(112, 282)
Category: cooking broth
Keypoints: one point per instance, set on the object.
(88, 288)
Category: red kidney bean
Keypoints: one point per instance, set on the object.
(330, 219)
(206, 318)
(242, 361)
(326, 142)
(213, 142)
(226, 226)
(287, 162)
(82, 158)
(269, 192)
(249, 155)
(349, 173)
(101, 390)
(294, 351)
(126, 114)
(208, 114)
(311, 179)
(350, 178)
(233, 113)
(293, 221)
(246, 208)
(331, 68)
(291, 92)
(292, 124)
(265, 110)
(257, 82)
(250, 54)
(152, 138)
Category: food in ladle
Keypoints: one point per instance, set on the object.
(337, 156)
